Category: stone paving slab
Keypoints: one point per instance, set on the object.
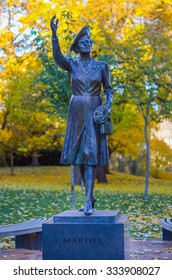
(140, 249)
(150, 249)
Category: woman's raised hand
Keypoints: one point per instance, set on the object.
(54, 25)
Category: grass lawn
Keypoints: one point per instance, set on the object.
(45, 191)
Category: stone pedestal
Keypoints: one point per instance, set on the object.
(73, 236)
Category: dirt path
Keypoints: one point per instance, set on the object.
(140, 249)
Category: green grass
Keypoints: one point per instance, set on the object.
(45, 191)
(58, 178)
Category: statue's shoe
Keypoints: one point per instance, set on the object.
(88, 210)
(93, 201)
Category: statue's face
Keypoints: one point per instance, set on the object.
(84, 44)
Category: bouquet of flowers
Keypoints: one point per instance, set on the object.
(101, 117)
(101, 114)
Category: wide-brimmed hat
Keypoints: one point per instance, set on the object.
(84, 31)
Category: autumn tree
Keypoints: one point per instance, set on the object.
(144, 74)
(127, 141)
(29, 121)
(28, 117)
(161, 157)
(134, 37)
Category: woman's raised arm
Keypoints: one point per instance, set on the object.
(58, 56)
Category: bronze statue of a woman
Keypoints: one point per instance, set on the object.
(84, 145)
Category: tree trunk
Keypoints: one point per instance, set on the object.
(106, 169)
(73, 188)
(147, 160)
(75, 180)
(121, 163)
(12, 163)
(132, 165)
(3, 161)
(35, 159)
(101, 175)
(76, 175)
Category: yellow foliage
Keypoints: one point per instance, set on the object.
(115, 25)
(5, 136)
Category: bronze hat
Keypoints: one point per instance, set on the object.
(84, 31)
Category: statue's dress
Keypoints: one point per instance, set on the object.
(83, 142)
